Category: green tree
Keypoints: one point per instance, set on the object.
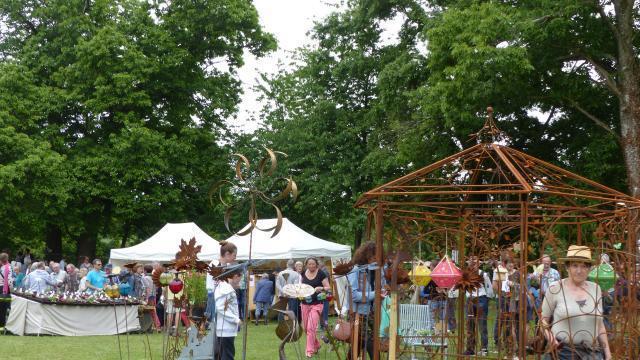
(554, 57)
(133, 95)
(355, 112)
(337, 116)
(33, 185)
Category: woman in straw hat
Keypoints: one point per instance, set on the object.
(572, 312)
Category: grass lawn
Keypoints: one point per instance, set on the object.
(262, 344)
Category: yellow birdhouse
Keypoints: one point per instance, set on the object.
(420, 274)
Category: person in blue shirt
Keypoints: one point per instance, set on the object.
(263, 297)
(17, 283)
(96, 277)
(362, 285)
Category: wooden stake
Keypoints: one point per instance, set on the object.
(393, 325)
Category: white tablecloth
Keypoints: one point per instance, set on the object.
(30, 317)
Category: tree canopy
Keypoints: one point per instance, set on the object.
(358, 109)
(113, 114)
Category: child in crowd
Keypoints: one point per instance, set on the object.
(227, 314)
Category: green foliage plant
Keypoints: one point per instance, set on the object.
(196, 288)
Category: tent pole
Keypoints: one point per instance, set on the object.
(246, 301)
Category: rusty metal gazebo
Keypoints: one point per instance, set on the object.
(494, 198)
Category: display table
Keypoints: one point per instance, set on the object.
(29, 317)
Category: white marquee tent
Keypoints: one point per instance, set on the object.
(290, 243)
(164, 245)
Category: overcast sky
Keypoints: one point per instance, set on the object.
(289, 21)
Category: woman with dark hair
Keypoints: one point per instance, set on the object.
(228, 252)
(575, 305)
(362, 285)
(312, 307)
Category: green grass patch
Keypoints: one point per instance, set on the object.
(262, 343)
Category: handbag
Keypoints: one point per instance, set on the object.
(342, 330)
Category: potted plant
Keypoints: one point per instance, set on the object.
(196, 291)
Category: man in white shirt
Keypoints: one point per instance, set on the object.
(285, 277)
(505, 280)
(477, 311)
(548, 275)
(58, 275)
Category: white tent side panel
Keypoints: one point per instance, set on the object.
(164, 245)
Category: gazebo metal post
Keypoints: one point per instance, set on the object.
(579, 232)
(378, 281)
(633, 224)
(524, 250)
(461, 295)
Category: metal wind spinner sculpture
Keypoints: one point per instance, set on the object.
(252, 187)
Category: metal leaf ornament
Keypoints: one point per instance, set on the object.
(470, 280)
(254, 186)
(401, 275)
(187, 257)
(216, 271)
(343, 267)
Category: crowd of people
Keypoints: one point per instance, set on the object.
(569, 310)
(26, 274)
(40, 277)
(227, 306)
(572, 311)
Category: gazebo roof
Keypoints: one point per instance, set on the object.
(492, 176)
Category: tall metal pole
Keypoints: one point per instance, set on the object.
(378, 281)
(462, 320)
(246, 301)
(522, 310)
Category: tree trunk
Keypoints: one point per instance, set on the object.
(53, 241)
(358, 238)
(630, 132)
(87, 244)
(88, 239)
(629, 101)
(125, 234)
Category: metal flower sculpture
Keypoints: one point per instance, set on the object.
(156, 274)
(252, 187)
(470, 281)
(395, 274)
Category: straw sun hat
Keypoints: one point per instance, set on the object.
(578, 253)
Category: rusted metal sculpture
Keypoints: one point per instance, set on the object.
(186, 263)
(251, 187)
(497, 200)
